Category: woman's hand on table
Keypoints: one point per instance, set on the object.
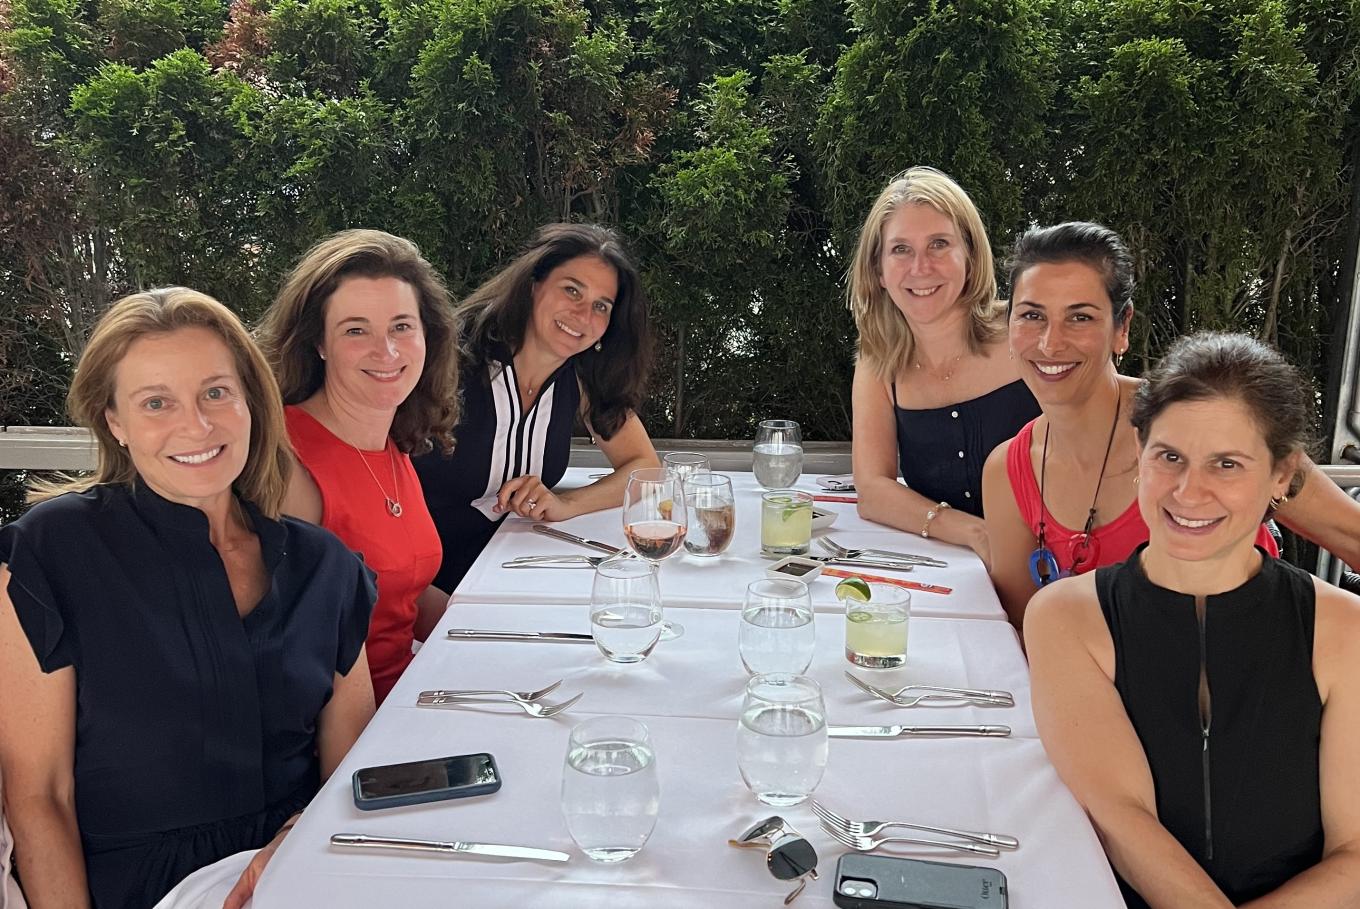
(245, 885)
(528, 497)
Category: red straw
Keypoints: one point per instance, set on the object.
(896, 582)
(850, 499)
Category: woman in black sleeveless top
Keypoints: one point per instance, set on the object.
(1202, 700)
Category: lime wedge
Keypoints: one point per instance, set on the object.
(853, 589)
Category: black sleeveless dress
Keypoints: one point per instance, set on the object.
(1261, 821)
(941, 450)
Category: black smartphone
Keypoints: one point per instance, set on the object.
(415, 782)
(888, 882)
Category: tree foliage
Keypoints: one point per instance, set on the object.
(736, 143)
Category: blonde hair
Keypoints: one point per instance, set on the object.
(264, 479)
(292, 330)
(886, 343)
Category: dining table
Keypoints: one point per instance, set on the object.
(688, 693)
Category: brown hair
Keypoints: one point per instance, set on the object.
(292, 330)
(499, 311)
(264, 479)
(886, 343)
(1093, 245)
(1213, 364)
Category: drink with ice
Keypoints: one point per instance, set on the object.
(610, 793)
(712, 513)
(781, 739)
(876, 629)
(777, 456)
(785, 523)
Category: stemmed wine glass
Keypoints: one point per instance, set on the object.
(655, 521)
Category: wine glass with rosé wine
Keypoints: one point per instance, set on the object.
(655, 520)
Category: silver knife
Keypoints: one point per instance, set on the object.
(865, 563)
(473, 634)
(452, 847)
(565, 561)
(573, 538)
(906, 556)
(891, 732)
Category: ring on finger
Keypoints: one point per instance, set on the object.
(532, 503)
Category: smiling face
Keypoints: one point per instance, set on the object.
(180, 408)
(1063, 331)
(572, 306)
(922, 262)
(1205, 478)
(373, 342)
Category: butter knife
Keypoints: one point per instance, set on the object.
(565, 561)
(892, 732)
(473, 634)
(573, 538)
(452, 847)
(889, 564)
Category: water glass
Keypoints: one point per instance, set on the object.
(610, 792)
(785, 523)
(654, 513)
(712, 511)
(776, 632)
(777, 458)
(876, 629)
(625, 609)
(781, 742)
(685, 464)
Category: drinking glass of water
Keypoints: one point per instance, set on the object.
(654, 513)
(625, 609)
(777, 458)
(610, 793)
(685, 464)
(712, 511)
(776, 632)
(781, 741)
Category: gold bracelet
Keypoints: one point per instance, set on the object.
(932, 515)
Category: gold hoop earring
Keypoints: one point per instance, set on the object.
(1277, 501)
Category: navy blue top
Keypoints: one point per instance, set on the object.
(497, 439)
(1262, 821)
(941, 451)
(195, 727)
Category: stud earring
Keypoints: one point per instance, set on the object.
(122, 444)
(599, 346)
(1277, 501)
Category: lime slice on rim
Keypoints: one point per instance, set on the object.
(853, 589)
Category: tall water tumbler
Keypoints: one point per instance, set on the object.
(610, 792)
(776, 632)
(777, 457)
(625, 609)
(781, 741)
(712, 508)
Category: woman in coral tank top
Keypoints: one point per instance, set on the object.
(363, 342)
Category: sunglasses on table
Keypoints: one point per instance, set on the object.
(789, 855)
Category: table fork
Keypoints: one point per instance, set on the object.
(533, 708)
(845, 552)
(870, 843)
(978, 696)
(869, 828)
(516, 695)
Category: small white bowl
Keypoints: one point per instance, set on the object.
(821, 518)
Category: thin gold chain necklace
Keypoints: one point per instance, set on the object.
(393, 503)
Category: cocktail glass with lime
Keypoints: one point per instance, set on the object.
(785, 522)
(876, 617)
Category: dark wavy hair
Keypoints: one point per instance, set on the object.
(1078, 241)
(499, 311)
(1215, 364)
(292, 329)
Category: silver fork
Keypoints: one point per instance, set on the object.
(518, 695)
(870, 843)
(533, 708)
(979, 696)
(845, 552)
(869, 828)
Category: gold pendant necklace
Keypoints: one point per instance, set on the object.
(936, 376)
(393, 504)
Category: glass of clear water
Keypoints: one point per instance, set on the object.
(610, 792)
(781, 741)
(685, 464)
(777, 458)
(712, 511)
(876, 628)
(625, 609)
(776, 632)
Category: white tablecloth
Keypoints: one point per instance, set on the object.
(687, 693)
(720, 582)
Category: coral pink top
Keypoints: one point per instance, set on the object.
(403, 551)
(1111, 543)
